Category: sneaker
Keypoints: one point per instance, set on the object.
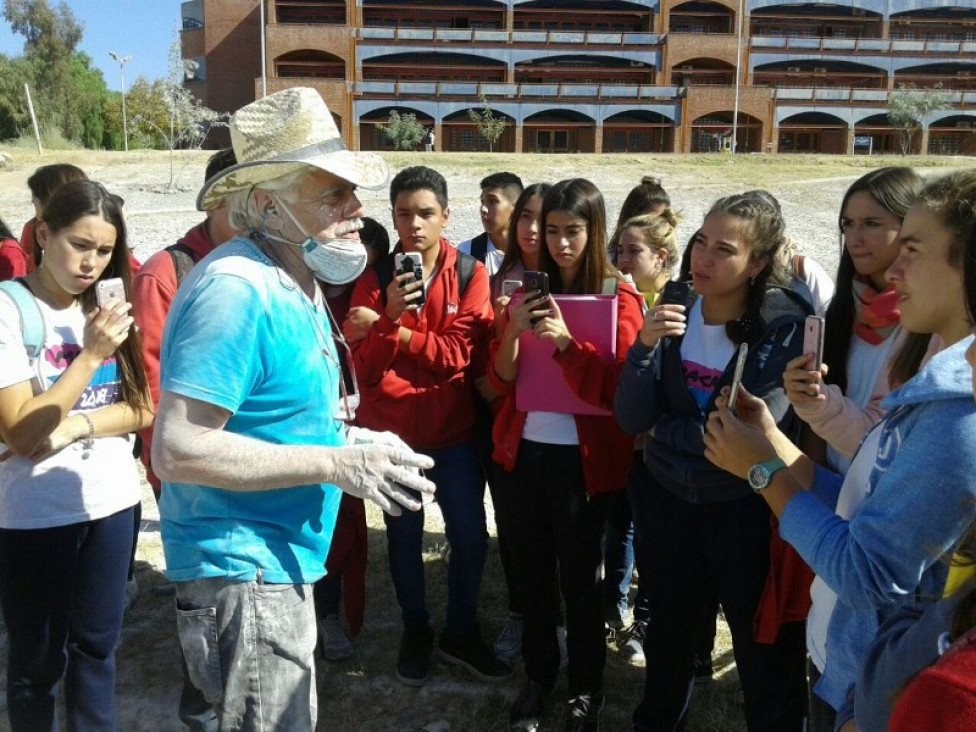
(471, 653)
(632, 650)
(585, 712)
(508, 644)
(704, 674)
(333, 642)
(413, 662)
(528, 709)
(131, 593)
(615, 618)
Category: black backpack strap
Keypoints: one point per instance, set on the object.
(465, 265)
(479, 247)
(183, 261)
(384, 275)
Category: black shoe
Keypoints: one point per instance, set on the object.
(585, 712)
(413, 663)
(528, 708)
(704, 671)
(470, 652)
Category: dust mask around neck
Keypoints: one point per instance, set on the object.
(334, 261)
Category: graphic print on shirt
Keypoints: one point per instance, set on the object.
(103, 389)
(701, 381)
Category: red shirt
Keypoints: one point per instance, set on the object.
(13, 261)
(153, 288)
(425, 391)
(942, 698)
(605, 449)
(27, 238)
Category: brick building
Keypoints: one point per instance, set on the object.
(602, 75)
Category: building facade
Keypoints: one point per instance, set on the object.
(609, 76)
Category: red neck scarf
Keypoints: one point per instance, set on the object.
(876, 314)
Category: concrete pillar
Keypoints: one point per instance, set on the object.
(438, 140)
(850, 140)
(519, 129)
(598, 139)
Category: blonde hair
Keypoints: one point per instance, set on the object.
(659, 232)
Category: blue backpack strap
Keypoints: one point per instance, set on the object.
(31, 320)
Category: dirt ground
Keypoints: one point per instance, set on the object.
(362, 693)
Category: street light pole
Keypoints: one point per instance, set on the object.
(122, 61)
(738, 78)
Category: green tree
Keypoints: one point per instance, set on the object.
(403, 131)
(14, 117)
(490, 127)
(910, 108)
(65, 88)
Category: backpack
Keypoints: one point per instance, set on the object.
(464, 266)
(479, 247)
(182, 258)
(31, 320)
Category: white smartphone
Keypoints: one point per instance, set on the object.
(813, 339)
(108, 290)
(740, 365)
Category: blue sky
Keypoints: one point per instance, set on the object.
(142, 29)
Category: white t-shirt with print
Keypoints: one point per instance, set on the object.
(705, 352)
(65, 487)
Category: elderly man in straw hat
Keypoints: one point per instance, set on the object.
(251, 442)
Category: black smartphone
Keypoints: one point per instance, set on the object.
(411, 263)
(536, 281)
(676, 293)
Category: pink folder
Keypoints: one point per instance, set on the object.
(540, 385)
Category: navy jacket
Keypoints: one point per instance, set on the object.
(652, 394)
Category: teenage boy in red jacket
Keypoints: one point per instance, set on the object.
(412, 362)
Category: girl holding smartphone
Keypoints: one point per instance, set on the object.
(68, 483)
(555, 466)
(701, 528)
(915, 468)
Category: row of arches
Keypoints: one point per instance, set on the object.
(766, 18)
(639, 131)
(598, 69)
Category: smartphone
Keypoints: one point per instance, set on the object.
(740, 365)
(813, 339)
(678, 293)
(411, 263)
(510, 286)
(536, 281)
(108, 290)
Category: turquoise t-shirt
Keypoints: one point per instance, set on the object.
(241, 335)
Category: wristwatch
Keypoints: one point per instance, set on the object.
(761, 474)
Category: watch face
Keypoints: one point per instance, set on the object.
(758, 476)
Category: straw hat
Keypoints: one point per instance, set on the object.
(282, 133)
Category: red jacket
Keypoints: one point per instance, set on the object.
(942, 698)
(27, 238)
(153, 288)
(13, 261)
(605, 449)
(425, 391)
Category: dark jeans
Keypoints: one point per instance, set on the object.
(618, 551)
(328, 594)
(823, 717)
(460, 495)
(555, 526)
(61, 590)
(686, 549)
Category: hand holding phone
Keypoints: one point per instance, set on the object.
(813, 340)
(740, 365)
(108, 290)
(411, 263)
(536, 281)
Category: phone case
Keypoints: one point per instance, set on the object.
(813, 338)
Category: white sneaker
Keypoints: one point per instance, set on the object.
(332, 639)
(508, 644)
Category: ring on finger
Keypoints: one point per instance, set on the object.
(654, 317)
